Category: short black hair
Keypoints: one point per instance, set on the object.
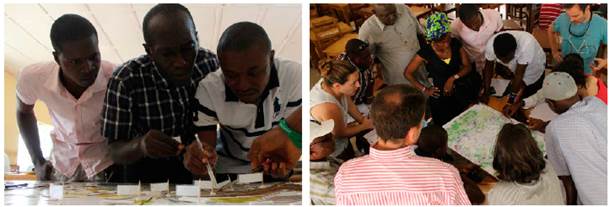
(243, 35)
(70, 27)
(504, 44)
(396, 109)
(431, 138)
(355, 46)
(467, 11)
(581, 6)
(166, 9)
(573, 64)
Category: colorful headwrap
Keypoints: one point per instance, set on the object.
(437, 25)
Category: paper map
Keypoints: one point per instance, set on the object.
(473, 134)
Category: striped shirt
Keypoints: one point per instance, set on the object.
(576, 144)
(240, 123)
(366, 81)
(398, 177)
(548, 14)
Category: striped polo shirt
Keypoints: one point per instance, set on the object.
(240, 123)
(398, 177)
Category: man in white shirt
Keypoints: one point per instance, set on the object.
(252, 95)
(522, 61)
(392, 37)
(576, 140)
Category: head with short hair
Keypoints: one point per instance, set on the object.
(517, 157)
(432, 142)
(246, 59)
(573, 65)
(505, 46)
(167, 10)
(75, 42)
(358, 52)
(171, 41)
(470, 15)
(386, 13)
(70, 27)
(397, 111)
(341, 76)
(578, 13)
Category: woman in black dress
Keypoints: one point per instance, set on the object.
(455, 85)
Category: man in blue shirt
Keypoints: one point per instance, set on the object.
(581, 32)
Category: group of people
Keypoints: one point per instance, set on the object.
(168, 114)
(435, 72)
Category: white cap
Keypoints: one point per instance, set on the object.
(318, 130)
(559, 86)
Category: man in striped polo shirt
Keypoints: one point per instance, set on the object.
(392, 174)
(252, 94)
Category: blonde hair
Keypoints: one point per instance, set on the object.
(336, 71)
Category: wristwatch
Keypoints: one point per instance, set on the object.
(456, 76)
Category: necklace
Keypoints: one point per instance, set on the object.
(583, 33)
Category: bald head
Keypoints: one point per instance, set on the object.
(397, 109)
(386, 13)
(242, 36)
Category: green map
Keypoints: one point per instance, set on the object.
(473, 134)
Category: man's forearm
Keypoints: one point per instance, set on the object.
(28, 128)
(552, 36)
(601, 52)
(487, 74)
(571, 193)
(517, 81)
(126, 151)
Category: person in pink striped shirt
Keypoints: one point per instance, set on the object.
(392, 174)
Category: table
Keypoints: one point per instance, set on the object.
(343, 10)
(78, 193)
(510, 24)
(19, 176)
(335, 49)
(470, 137)
(419, 12)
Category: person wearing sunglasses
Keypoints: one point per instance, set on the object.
(581, 32)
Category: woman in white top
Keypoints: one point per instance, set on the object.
(330, 99)
(524, 177)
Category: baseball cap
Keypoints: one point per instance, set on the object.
(559, 86)
(320, 129)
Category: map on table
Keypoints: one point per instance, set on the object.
(473, 134)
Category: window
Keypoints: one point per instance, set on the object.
(46, 144)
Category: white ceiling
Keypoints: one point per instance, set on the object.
(119, 28)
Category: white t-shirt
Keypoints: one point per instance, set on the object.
(318, 96)
(547, 190)
(475, 41)
(528, 53)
